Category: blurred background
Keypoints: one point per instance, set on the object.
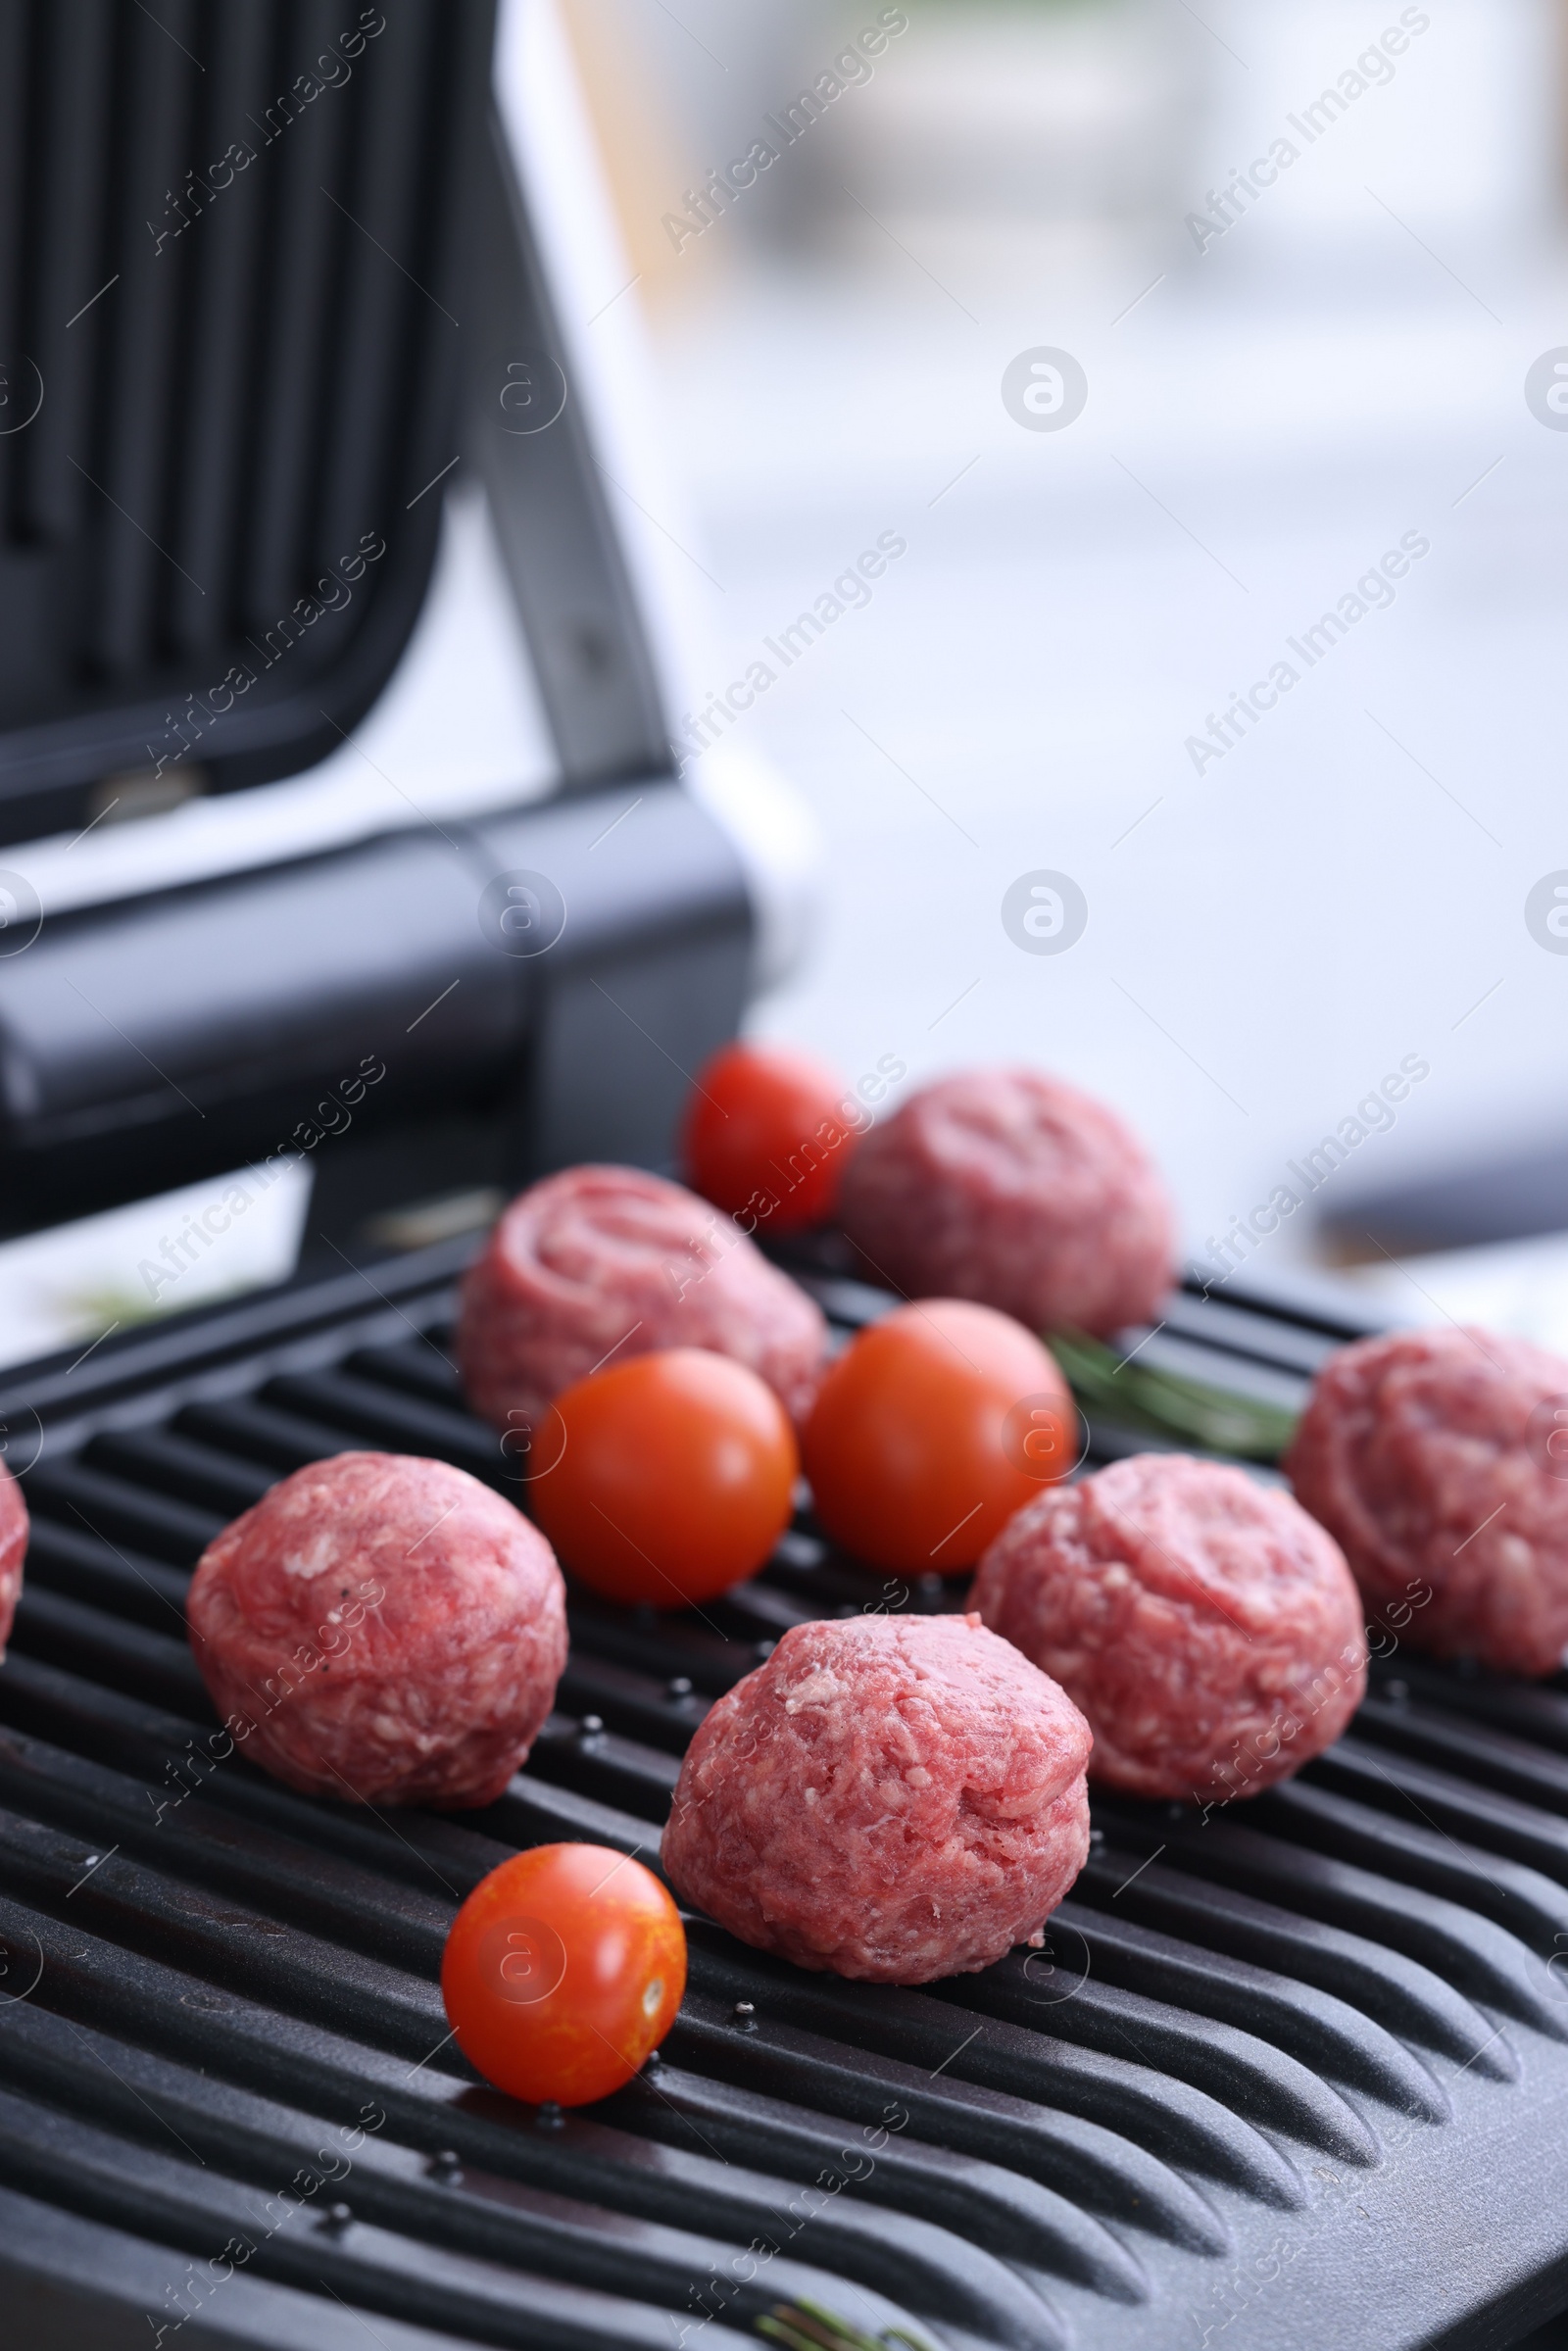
(1285, 379)
(1132, 335)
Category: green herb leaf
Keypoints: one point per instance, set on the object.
(804, 2325)
(1168, 1403)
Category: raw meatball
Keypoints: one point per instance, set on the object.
(1437, 1459)
(13, 1550)
(1011, 1188)
(382, 1630)
(1209, 1630)
(608, 1262)
(892, 1797)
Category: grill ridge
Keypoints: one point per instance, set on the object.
(1377, 1984)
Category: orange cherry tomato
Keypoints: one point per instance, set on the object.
(562, 1969)
(930, 1430)
(674, 1476)
(764, 1132)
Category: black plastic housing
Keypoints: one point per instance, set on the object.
(145, 1044)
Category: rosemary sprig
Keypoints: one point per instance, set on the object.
(806, 2326)
(1168, 1403)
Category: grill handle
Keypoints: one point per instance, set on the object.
(147, 1043)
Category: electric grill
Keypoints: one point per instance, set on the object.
(1293, 2072)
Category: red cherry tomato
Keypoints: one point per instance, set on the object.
(930, 1430)
(764, 1132)
(674, 1476)
(562, 1969)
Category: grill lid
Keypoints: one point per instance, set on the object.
(231, 257)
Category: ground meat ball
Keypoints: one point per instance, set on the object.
(391, 1631)
(1208, 1627)
(13, 1550)
(602, 1261)
(891, 1797)
(1017, 1191)
(1425, 1453)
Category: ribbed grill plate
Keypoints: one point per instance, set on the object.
(1295, 2073)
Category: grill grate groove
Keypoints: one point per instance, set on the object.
(1407, 1999)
